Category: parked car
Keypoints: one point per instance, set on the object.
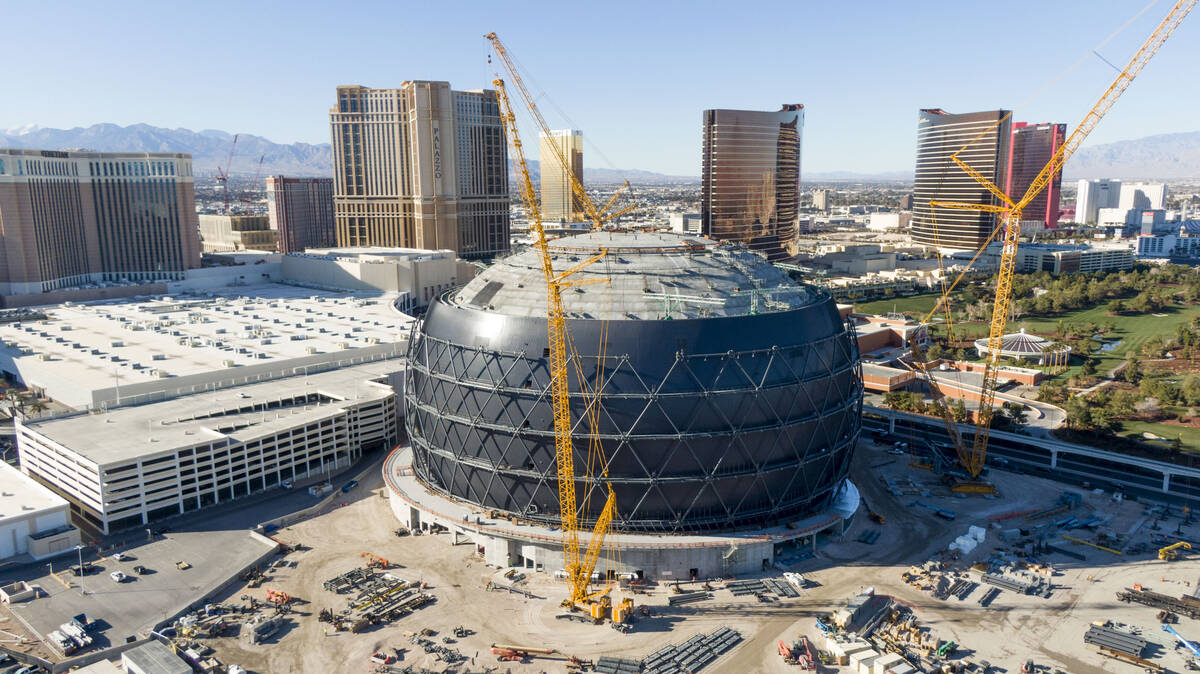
(120, 557)
(349, 485)
(287, 484)
(117, 576)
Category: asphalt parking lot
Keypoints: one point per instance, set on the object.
(215, 542)
(142, 599)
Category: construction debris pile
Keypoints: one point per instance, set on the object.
(377, 598)
(875, 633)
(440, 652)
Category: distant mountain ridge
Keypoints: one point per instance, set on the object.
(210, 148)
(1164, 157)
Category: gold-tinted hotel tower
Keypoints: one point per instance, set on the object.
(559, 203)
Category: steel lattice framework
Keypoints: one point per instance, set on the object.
(698, 438)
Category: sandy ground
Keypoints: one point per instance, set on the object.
(1011, 630)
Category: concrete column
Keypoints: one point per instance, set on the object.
(892, 425)
(1054, 458)
(1166, 481)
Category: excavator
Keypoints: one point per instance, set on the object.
(1171, 552)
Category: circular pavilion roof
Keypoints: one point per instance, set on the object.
(1020, 345)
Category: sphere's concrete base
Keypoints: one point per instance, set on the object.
(660, 557)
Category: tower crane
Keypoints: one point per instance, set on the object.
(578, 564)
(223, 173)
(974, 457)
(598, 215)
(249, 194)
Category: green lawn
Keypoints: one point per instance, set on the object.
(1189, 436)
(1132, 330)
(917, 304)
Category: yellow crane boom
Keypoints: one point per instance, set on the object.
(1011, 212)
(578, 570)
(598, 215)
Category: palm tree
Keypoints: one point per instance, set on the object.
(37, 406)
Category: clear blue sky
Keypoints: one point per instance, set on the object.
(634, 76)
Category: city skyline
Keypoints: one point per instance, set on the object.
(861, 75)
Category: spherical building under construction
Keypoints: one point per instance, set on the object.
(729, 396)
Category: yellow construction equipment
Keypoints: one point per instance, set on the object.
(1171, 552)
(598, 215)
(1094, 545)
(578, 567)
(974, 457)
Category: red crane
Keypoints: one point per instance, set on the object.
(223, 173)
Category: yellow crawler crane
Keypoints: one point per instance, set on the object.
(578, 566)
(974, 457)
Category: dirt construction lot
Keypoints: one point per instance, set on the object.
(1006, 633)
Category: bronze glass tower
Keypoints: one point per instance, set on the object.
(981, 139)
(750, 184)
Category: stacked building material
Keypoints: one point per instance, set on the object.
(693, 654)
(1115, 640)
(687, 598)
(743, 587)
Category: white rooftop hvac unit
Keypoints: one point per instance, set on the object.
(228, 363)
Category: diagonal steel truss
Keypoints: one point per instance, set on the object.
(717, 441)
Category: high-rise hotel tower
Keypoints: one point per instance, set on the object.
(69, 219)
(420, 166)
(981, 139)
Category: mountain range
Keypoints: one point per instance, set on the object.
(1166, 156)
(1163, 157)
(210, 148)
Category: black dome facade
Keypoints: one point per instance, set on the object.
(731, 397)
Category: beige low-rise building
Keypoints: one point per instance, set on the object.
(34, 521)
(421, 274)
(227, 233)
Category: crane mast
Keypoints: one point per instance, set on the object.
(598, 215)
(578, 568)
(973, 459)
(223, 172)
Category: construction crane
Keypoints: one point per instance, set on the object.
(223, 173)
(598, 215)
(974, 457)
(577, 564)
(249, 194)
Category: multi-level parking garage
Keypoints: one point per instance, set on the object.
(137, 464)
